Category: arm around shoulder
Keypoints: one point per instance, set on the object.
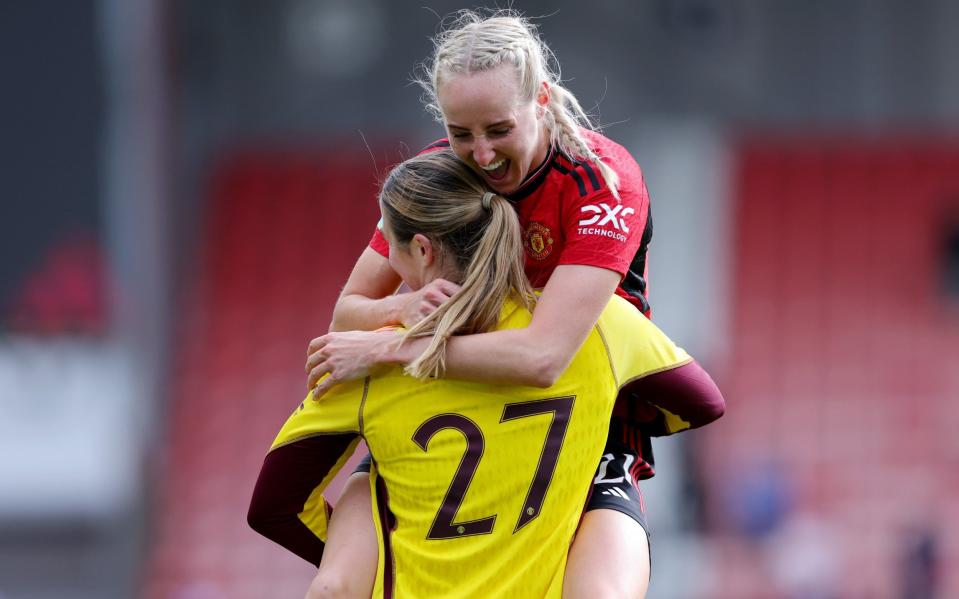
(367, 301)
(538, 354)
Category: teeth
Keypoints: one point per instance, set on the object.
(493, 166)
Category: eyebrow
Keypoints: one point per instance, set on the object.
(490, 126)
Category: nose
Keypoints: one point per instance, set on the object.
(483, 152)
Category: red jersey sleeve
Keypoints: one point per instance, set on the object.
(602, 231)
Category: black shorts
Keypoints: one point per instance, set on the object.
(365, 464)
(615, 486)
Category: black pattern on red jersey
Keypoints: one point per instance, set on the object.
(576, 169)
(634, 283)
(436, 145)
(593, 179)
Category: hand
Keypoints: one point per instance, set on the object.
(345, 356)
(426, 300)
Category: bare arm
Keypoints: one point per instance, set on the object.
(367, 301)
(536, 355)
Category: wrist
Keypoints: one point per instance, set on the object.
(390, 352)
(397, 352)
(394, 308)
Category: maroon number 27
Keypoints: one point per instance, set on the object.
(444, 524)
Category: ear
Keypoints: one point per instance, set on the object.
(422, 249)
(543, 95)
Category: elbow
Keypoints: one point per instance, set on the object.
(339, 320)
(687, 392)
(336, 321)
(261, 515)
(711, 403)
(258, 520)
(715, 407)
(266, 515)
(547, 370)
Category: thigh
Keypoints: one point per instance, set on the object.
(609, 558)
(348, 568)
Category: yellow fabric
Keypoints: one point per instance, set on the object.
(389, 409)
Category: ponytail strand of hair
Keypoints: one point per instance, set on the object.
(495, 272)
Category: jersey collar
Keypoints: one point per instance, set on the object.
(534, 179)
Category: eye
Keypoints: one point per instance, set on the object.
(501, 132)
(460, 135)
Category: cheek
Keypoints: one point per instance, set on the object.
(461, 150)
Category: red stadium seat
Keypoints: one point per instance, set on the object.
(281, 234)
(844, 356)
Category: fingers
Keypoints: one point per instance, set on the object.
(448, 288)
(316, 345)
(315, 359)
(316, 373)
(438, 292)
(323, 387)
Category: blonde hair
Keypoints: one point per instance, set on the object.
(473, 43)
(439, 196)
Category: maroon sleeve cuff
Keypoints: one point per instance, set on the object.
(686, 391)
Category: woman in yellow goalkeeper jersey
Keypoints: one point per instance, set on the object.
(477, 489)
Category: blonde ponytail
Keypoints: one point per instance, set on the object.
(440, 197)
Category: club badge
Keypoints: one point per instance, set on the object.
(539, 243)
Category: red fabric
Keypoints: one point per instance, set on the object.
(569, 215)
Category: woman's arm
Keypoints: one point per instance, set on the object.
(569, 306)
(672, 401)
(367, 301)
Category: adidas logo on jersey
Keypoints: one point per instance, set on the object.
(616, 493)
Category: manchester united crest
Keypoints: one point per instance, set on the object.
(539, 243)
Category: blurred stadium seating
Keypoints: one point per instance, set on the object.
(842, 373)
(281, 233)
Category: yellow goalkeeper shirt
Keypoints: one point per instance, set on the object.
(478, 489)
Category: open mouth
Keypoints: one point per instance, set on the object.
(496, 171)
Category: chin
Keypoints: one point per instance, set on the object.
(506, 185)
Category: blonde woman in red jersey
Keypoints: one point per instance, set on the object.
(584, 210)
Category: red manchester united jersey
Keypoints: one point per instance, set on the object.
(570, 216)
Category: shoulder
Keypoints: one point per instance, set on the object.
(614, 153)
(621, 160)
(636, 346)
(582, 178)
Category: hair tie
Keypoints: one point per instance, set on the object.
(487, 198)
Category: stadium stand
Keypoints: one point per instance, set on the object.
(842, 379)
(281, 234)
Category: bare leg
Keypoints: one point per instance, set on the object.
(348, 567)
(609, 558)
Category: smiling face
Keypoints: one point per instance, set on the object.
(492, 127)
